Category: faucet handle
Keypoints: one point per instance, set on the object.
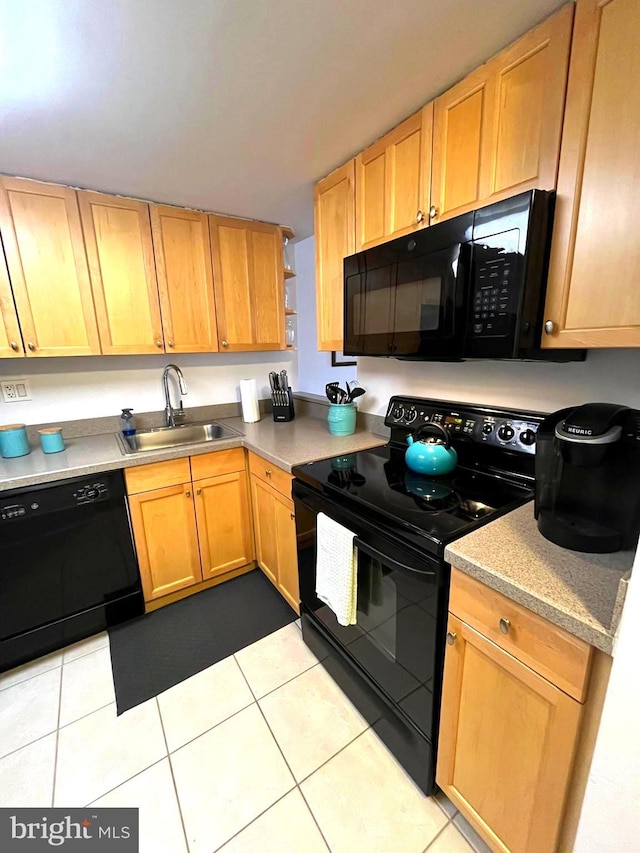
(180, 415)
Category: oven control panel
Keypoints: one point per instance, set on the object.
(504, 429)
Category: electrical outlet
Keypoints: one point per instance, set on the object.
(16, 391)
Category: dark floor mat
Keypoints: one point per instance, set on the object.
(160, 649)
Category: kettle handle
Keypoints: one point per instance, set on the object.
(434, 429)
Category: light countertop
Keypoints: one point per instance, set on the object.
(582, 593)
(304, 439)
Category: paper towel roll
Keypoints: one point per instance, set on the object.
(249, 401)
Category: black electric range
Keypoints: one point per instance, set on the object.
(390, 662)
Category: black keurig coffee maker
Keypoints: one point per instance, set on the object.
(588, 478)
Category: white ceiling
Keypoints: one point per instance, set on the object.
(237, 106)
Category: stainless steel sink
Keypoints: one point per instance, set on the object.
(164, 437)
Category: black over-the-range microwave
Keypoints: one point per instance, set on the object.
(470, 287)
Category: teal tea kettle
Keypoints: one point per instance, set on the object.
(432, 455)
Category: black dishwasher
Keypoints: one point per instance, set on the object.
(68, 567)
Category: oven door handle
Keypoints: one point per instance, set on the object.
(385, 558)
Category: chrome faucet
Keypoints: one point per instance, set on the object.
(173, 417)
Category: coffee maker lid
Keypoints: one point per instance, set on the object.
(593, 423)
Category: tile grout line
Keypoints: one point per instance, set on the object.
(44, 671)
(124, 781)
(437, 835)
(173, 778)
(55, 760)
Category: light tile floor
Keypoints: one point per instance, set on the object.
(261, 753)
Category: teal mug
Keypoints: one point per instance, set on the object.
(342, 418)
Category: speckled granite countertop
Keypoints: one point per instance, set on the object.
(582, 593)
(285, 444)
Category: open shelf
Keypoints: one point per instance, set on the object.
(289, 312)
(289, 273)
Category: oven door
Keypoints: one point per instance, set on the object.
(397, 643)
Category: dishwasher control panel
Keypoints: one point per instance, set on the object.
(53, 497)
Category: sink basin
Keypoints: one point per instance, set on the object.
(164, 437)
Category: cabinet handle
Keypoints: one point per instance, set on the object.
(268, 472)
(293, 518)
(420, 216)
(14, 346)
(187, 494)
(225, 343)
(433, 211)
(505, 625)
(159, 343)
(170, 344)
(31, 346)
(199, 492)
(451, 638)
(549, 327)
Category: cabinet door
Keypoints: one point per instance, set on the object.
(117, 234)
(265, 528)
(392, 181)
(249, 284)
(528, 109)
(185, 279)
(334, 214)
(287, 552)
(497, 132)
(592, 297)
(164, 529)
(507, 741)
(224, 523)
(10, 338)
(42, 238)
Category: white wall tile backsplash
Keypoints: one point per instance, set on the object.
(72, 388)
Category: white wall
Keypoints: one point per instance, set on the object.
(314, 368)
(606, 376)
(610, 818)
(72, 388)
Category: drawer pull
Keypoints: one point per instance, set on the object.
(451, 637)
(199, 492)
(268, 472)
(505, 625)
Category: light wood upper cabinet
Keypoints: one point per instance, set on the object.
(185, 278)
(10, 338)
(593, 299)
(249, 283)
(334, 215)
(507, 741)
(224, 523)
(42, 236)
(117, 235)
(392, 181)
(166, 537)
(497, 132)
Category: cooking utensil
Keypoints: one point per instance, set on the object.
(357, 392)
(331, 390)
(433, 455)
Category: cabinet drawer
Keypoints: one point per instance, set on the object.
(219, 462)
(157, 475)
(269, 473)
(550, 651)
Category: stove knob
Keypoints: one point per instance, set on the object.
(487, 429)
(398, 413)
(506, 432)
(411, 415)
(528, 437)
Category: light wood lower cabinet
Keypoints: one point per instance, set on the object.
(508, 734)
(275, 527)
(189, 531)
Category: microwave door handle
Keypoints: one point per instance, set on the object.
(378, 555)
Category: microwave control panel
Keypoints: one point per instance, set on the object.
(506, 430)
(495, 286)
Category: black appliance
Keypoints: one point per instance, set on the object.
(588, 478)
(469, 287)
(390, 663)
(68, 568)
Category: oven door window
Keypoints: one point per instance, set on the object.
(395, 635)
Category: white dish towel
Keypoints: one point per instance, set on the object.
(336, 569)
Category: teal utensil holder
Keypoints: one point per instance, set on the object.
(13, 441)
(341, 418)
